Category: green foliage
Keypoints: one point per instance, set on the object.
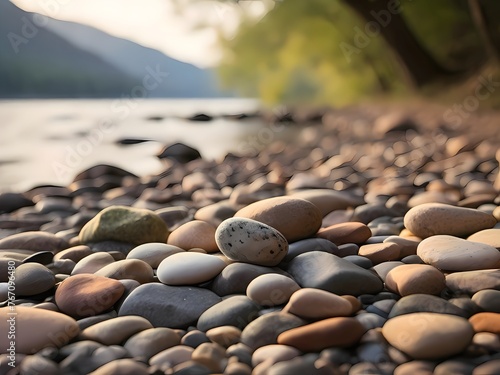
(306, 51)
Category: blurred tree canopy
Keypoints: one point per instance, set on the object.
(341, 51)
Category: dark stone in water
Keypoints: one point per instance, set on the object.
(201, 117)
(180, 152)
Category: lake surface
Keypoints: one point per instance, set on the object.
(50, 141)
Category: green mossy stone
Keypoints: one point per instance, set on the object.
(125, 224)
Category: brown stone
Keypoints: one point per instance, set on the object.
(486, 322)
(293, 217)
(134, 269)
(115, 331)
(334, 332)
(86, 295)
(343, 233)
(309, 303)
(380, 252)
(36, 329)
(193, 234)
(415, 279)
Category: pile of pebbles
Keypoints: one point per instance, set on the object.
(360, 249)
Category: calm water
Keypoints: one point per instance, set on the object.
(50, 141)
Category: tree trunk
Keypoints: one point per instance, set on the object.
(421, 68)
(478, 16)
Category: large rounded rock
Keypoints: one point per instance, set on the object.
(35, 329)
(250, 241)
(168, 306)
(271, 289)
(488, 300)
(189, 268)
(431, 219)
(33, 278)
(235, 311)
(293, 217)
(338, 332)
(86, 295)
(316, 304)
(380, 252)
(428, 335)
(336, 275)
(194, 234)
(125, 224)
(455, 254)
(415, 279)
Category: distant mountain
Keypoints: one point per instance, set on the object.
(65, 59)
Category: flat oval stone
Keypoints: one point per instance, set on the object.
(153, 253)
(169, 306)
(235, 311)
(455, 254)
(115, 331)
(486, 322)
(189, 268)
(265, 329)
(250, 241)
(425, 303)
(34, 240)
(293, 217)
(271, 289)
(75, 253)
(338, 332)
(428, 335)
(150, 342)
(326, 304)
(407, 247)
(224, 335)
(32, 279)
(92, 263)
(343, 233)
(380, 252)
(125, 224)
(194, 234)
(490, 367)
(134, 269)
(432, 219)
(488, 300)
(86, 295)
(473, 281)
(336, 275)
(36, 329)
(487, 236)
(415, 279)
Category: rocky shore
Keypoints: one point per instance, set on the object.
(366, 246)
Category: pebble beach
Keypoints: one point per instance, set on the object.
(367, 245)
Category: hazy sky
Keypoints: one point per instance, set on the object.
(167, 25)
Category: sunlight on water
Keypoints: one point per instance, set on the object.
(49, 141)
